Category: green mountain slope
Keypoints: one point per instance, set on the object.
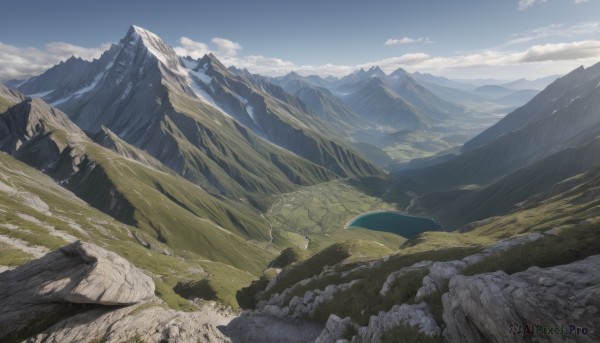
(171, 209)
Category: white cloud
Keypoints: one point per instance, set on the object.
(562, 51)
(225, 46)
(191, 48)
(535, 61)
(577, 2)
(525, 4)
(20, 63)
(407, 40)
(556, 30)
(222, 47)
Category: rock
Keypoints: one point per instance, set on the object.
(441, 272)
(416, 316)
(488, 306)
(79, 273)
(148, 321)
(335, 330)
(259, 328)
(391, 279)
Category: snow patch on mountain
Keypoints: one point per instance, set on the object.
(250, 111)
(40, 95)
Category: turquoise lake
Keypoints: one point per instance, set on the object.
(394, 222)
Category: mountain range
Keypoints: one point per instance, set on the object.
(238, 188)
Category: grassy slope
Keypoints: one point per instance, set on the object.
(70, 215)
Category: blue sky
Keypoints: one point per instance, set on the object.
(460, 39)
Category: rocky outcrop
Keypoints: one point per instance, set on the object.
(302, 306)
(77, 274)
(416, 316)
(260, 328)
(82, 293)
(441, 272)
(148, 321)
(505, 308)
(337, 330)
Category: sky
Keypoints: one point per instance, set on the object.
(461, 39)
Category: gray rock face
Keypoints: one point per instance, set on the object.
(80, 273)
(28, 119)
(483, 307)
(416, 316)
(441, 272)
(259, 328)
(335, 329)
(11, 95)
(148, 321)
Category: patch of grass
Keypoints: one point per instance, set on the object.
(172, 299)
(5, 104)
(246, 296)
(567, 246)
(352, 250)
(367, 301)
(196, 289)
(12, 257)
(289, 256)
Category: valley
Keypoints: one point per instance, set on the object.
(238, 207)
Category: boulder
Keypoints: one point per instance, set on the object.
(416, 316)
(148, 321)
(83, 293)
(336, 329)
(62, 281)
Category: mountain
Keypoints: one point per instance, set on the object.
(504, 195)
(493, 90)
(537, 84)
(316, 94)
(442, 81)
(182, 215)
(410, 89)
(549, 124)
(556, 96)
(396, 93)
(182, 113)
(374, 100)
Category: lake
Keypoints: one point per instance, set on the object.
(394, 222)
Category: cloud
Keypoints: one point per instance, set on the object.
(556, 30)
(191, 48)
(577, 2)
(225, 46)
(562, 51)
(21, 63)
(525, 4)
(222, 47)
(407, 40)
(541, 59)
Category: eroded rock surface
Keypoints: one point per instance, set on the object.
(64, 280)
(484, 306)
(148, 321)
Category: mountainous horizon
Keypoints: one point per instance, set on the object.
(183, 199)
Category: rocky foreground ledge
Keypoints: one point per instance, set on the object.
(83, 293)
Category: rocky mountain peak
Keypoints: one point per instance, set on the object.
(153, 44)
(30, 116)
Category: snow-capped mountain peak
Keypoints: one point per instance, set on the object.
(153, 44)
